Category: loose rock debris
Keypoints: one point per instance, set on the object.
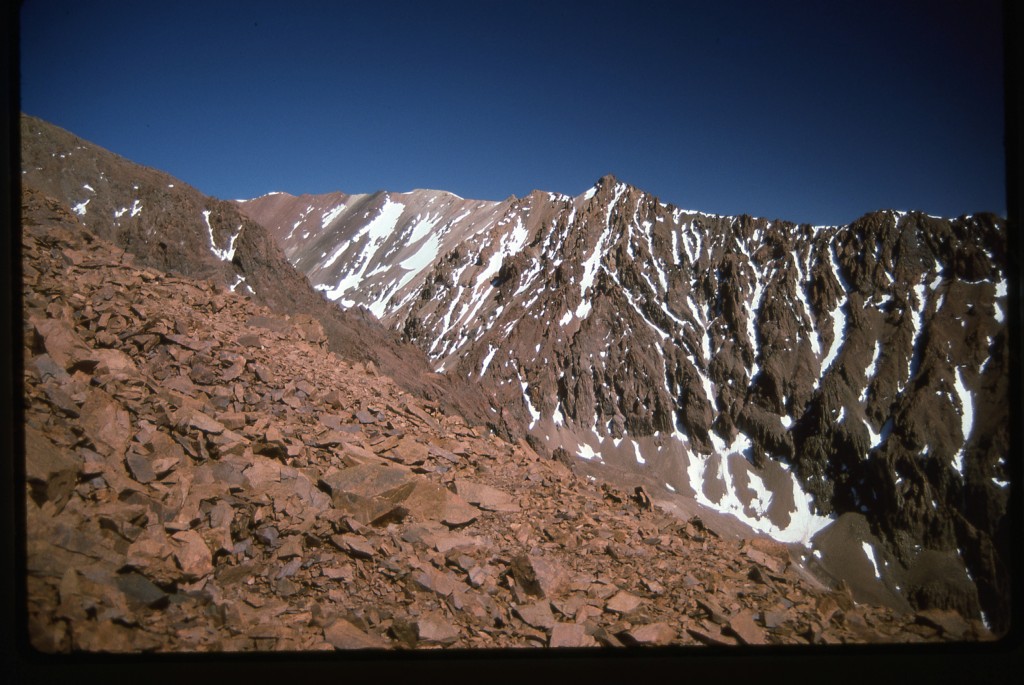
(202, 475)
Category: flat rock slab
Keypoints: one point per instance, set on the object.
(431, 501)
(141, 590)
(52, 472)
(537, 614)
(435, 629)
(744, 627)
(570, 635)
(432, 580)
(356, 545)
(485, 496)
(710, 638)
(650, 634)
(445, 542)
(192, 554)
(61, 342)
(343, 635)
(106, 423)
(366, 480)
(624, 602)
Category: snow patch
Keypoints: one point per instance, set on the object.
(869, 552)
(966, 417)
(636, 452)
(423, 258)
(491, 349)
(838, 329)
(803, 524)
(376, 231)
(225, 255)
(330, 215)
(762, 497)
(534, 414)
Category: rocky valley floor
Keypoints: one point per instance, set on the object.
(203, 475)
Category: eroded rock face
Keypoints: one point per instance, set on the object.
(870, 358)
(204, 475)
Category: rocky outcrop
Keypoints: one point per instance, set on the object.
(870, 359)
(203, 474)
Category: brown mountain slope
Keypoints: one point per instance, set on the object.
(203, 475)
(170, 226)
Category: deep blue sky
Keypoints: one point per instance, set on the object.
(813, 112)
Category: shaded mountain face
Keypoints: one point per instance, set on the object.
(171, 226)
(784, 374)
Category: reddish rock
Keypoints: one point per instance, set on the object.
(708, 637)
(60, 341)
(538, 576)
(435, 581)
(435, 629)
(744, 627)
(537, 614)
(485, 496)
(624, 602)
(52, 472)
(192, 554)
(570, 635)
(343, 635)
(950, 622)
(356, 545)
(649, 634)
(106, 423)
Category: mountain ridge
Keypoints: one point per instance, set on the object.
(171, 226)
(770, 371)
(770, 335)
(614, 179)
(203, 475)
